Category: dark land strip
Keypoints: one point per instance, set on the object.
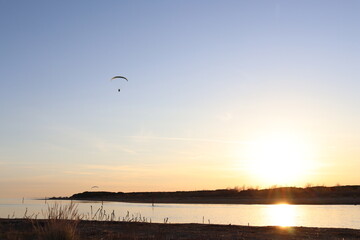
(290, 195)
(22, 229)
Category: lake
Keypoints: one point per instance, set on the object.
(338, 216)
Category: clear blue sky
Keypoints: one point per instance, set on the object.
(208, 81)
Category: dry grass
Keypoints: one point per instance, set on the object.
(61, 221)
(61, 224)
(20, 229)
(57, 230)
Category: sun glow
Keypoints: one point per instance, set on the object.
(282, 215)
(279, 159)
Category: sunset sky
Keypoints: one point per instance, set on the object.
(220, 94)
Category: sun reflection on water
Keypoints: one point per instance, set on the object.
(282, 215)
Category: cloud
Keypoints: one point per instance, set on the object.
(78, 173)
(67, 138)
(105, 146)
(122, 168)
(189, 139)
(226, 117)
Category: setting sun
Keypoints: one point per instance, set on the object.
(282, 215)
(279, 159)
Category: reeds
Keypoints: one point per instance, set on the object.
(57, 230)
(102, 215)
(70, 211)
(61, 223)
(62, 212)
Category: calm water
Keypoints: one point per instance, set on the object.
(339, 216)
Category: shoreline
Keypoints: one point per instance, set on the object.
(339, 195)
(221, 201)
(23, 229)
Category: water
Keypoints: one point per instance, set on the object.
(338, 216)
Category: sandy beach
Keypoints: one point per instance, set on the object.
(21, 229)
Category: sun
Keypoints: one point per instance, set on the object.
(283, 215)
(279, 159)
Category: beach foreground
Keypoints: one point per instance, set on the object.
(23, 229)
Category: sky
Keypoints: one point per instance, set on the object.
(220, 94)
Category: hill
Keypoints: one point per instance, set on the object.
(291, 195)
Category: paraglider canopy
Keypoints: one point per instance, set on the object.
(119, 77)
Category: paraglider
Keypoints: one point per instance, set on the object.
(119, 77)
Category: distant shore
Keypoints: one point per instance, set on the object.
(21, 229)
(344, 195)
(295, 201)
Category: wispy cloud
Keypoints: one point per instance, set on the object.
(104, 146)
(123, 168)
(78, 173)
(86, 139)
(226, 117)
(190, 139)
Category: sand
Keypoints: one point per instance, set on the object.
(19, 229)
